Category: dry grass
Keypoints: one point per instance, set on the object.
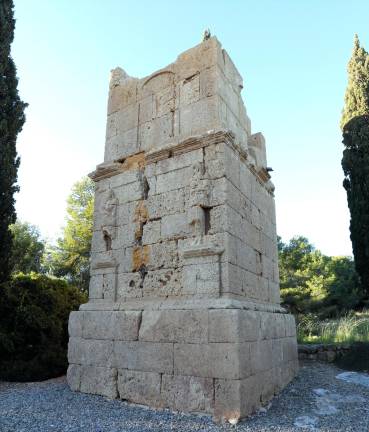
(353, 327)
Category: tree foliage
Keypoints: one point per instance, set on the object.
(357, 91)
(312, 282)
(11, 122)
(70, 258)
(355, 164)
(28, 248)
(34, 311)
(355, 161)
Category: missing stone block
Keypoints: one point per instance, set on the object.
(190, 78)
(143, 272)
(207, 224)
(146, 187)
(107, 240)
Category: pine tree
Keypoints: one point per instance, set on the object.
(355, 161)
(11, 121)
(71, 257)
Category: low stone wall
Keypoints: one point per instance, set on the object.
(322, 352)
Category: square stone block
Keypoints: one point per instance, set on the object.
(139, 387)
(187, 393)
(174, 326)
(233, 325)
(144, 356)
(212, 360)
(99, 380)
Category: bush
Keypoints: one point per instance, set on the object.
(34, 311)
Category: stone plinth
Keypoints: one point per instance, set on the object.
(184, 309)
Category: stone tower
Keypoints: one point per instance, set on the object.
(184, 308)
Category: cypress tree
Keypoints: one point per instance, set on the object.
(11, 122)
(357, 91)
(355, 161)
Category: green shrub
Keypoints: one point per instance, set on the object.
(316, 284)
(34, 311)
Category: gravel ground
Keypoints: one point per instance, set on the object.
(315, 400)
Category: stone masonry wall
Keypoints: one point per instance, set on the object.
(183, 307)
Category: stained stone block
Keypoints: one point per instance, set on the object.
(184, 304)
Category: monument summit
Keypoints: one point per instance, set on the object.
(184, 306)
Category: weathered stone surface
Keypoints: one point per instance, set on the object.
(187, 393)
(99, 380)
(74, 376)
(144, 356)
(139, 387)
(75, 324)
(129, 285)
(162, 283)
(184, 305)
(90, 351)
(233, 325)
(113, 325)
(261, 356)
(174, 326)
(199, 279)
(235, 399)
(217, 360)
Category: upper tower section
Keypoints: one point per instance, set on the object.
(199, 92)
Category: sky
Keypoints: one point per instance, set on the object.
(292, 55)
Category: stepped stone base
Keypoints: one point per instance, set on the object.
(225, 362)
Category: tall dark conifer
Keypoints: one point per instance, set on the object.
(355, 161)
(11, 121)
